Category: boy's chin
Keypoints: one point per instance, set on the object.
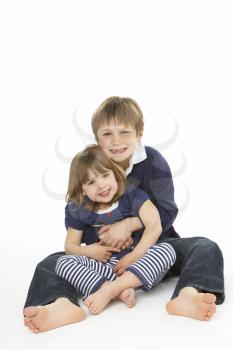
(123, 163)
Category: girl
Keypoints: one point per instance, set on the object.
(97, 196)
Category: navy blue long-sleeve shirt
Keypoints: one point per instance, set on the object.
(153, 175)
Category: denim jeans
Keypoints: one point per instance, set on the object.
(199, 264)
(46, 286)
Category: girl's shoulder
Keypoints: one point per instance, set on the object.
(77, 210)
(133, 193)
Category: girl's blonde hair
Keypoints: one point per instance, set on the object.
(123, 110)
(94, 159)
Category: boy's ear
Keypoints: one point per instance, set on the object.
(96, 138)
(140, 133)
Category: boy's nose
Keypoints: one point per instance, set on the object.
(115, 139)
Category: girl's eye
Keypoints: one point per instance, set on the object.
(90, 183)
(124, 132)
(106, 175)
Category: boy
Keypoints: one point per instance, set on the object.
(118, 126)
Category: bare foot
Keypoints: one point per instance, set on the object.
(128, 297)
(60, 313)
(190, 303)
(97, 301)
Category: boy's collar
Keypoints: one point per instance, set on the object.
(138, 156)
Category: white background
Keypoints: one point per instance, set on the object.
(60, 59)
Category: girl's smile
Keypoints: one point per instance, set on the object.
(101, 187)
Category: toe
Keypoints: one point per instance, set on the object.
(31, 326)
(209, 298)
(30, 311)
(36, 331)
(87, 302)
(27, 320)
(212, 308)
(93, 309)
(206, 318)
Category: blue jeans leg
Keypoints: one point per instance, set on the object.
(46, 286)
(199, 263)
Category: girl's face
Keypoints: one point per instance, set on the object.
(118, 142)
(100, 188)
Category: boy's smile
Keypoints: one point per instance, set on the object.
(118, 142)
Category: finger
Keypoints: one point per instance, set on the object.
(101, 238)
(114, 249)
(120, 271)
(117, 267)
(120, 245)
(103, 229)
(126, 245)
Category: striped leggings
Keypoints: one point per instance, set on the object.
(87, 275)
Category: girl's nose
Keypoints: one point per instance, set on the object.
(100, 183)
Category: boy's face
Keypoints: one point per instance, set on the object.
(118, 142)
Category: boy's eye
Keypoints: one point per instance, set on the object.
(124, 131)
(106, 174)
(106, 134)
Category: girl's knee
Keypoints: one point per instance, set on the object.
(169, 250)
(161, 251)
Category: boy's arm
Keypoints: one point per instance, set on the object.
(116, 235)
(160, 188)
(151, 220)
(96, 250)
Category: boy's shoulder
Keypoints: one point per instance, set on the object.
(155, 159)
(152, 152)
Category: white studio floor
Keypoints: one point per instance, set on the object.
(144, 326)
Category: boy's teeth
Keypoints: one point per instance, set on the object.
(118, 150)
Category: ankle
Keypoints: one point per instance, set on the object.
(189, 290)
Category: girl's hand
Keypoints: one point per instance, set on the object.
(116, 235)
(99, 252)
(123, 263)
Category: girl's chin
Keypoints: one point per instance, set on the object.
(105, 199)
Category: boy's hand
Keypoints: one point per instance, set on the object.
(116, 235)
(99, 252)
(127, 243)
(123, 263)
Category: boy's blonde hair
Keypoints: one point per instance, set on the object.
(123, 110)
(94, 159)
